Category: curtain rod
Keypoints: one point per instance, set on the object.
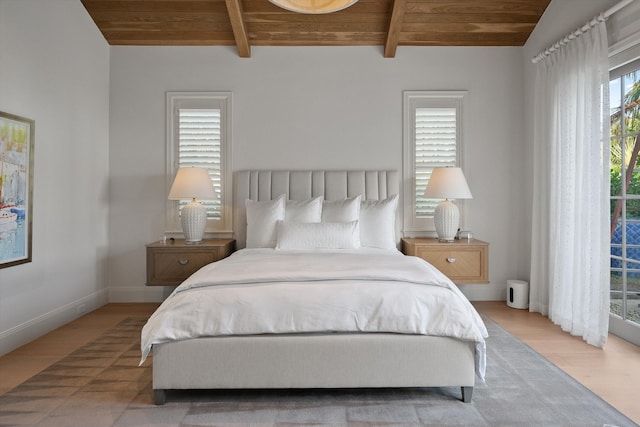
(592, 23)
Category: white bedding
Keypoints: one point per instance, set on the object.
(267, 291)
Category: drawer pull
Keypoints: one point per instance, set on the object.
(450, 260)
(183, 261)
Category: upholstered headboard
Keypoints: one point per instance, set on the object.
(263, 185)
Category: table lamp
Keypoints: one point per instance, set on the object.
(193, 183)
(447, 183)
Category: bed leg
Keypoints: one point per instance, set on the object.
(159, 396)
(466, 394)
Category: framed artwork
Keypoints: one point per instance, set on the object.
(16, 189)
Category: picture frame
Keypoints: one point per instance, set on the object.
(17, 136)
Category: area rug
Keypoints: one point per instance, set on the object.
(101, 384)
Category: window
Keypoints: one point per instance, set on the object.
(199, 134)
(624, 89)
(432, 138)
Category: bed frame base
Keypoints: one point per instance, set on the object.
(374, 360)
(160, 395)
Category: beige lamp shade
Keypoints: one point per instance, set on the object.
(447, 183)
(313, 6)
(192, 183)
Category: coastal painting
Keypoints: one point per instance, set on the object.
(16, 188)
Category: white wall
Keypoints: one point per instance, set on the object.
(54, 68)
(321, 107)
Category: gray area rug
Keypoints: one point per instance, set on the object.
(100, 384)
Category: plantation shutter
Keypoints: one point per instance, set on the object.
(199, 145)
(435, 146)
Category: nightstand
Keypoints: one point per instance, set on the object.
(170, 263)
(463, 261)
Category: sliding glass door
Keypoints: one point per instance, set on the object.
(625, 201)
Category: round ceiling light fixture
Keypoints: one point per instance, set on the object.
(313, 6)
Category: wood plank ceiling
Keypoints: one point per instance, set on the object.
(247, 23)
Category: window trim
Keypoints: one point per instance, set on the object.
(412, 225)
(222, 100)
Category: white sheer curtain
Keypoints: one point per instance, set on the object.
(570, 234)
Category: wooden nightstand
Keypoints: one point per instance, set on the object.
(463, 261)
(170, 263)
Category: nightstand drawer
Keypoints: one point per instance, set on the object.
(464, 261)
(177, 266)
(460, 264)
(170, 263)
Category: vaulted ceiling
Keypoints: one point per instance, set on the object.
(386, 23)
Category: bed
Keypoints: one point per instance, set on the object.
(294, 307)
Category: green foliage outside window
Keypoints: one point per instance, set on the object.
(631, 122)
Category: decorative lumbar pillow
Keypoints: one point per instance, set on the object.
(345, 210)
(318, 235)
(304, 210)
(261, 221)
(378, 223)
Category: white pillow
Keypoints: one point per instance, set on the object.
(261, 221)
(341, 210)
(318, 235)
(304, 210)
(378, 223)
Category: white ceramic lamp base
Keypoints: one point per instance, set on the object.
(447, 219)
(193, 218)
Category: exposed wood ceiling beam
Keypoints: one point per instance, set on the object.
(234, 7)
(384, 23)
(395, 25)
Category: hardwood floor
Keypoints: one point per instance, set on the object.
(613, 373)
(26, 361)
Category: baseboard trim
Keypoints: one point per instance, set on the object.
(21, 334)
(139, 293)
(483, 292)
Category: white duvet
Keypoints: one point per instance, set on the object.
(265, 291)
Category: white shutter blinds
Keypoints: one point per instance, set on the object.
(435, 146)
(199, 144)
